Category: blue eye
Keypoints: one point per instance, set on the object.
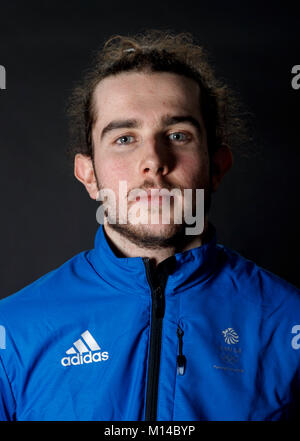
(123, 140)
(178, 136)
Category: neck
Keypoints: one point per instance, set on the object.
(123, 247)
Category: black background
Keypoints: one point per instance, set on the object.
(47, 216)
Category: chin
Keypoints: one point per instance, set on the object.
(151, 236)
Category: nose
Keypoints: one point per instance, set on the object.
(155, 159)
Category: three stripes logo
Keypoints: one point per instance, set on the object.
(84, 350)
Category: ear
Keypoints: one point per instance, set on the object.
(84, 172)
(222, 161)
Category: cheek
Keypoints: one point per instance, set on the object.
(194, 171)
(110, 172)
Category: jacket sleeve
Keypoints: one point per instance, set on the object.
(7, 401)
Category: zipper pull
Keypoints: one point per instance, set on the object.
(181, 360)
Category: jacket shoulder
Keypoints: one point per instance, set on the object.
(256, 283)
(48, 288)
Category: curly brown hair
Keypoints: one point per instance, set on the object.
(156, 51)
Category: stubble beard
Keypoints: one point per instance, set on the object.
(163, 235)
(157, 236)
(141, 235)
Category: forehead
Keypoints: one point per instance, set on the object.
(143, 94)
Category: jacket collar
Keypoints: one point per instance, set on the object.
(128, 274)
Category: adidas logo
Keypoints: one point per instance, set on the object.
(85, 345)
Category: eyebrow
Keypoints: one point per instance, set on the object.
(167, 120)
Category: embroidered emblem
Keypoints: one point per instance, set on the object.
(230, 336)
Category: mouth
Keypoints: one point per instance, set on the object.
(151, 196)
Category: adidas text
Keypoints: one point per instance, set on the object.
(84, 359)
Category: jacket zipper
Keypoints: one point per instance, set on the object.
(157, 314)
(181, 360)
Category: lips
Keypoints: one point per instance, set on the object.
(151, 195)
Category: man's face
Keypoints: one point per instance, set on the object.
(150, 133)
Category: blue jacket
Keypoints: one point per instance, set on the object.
(208, 336)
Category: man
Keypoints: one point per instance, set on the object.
(153, 323)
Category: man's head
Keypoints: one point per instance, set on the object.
(151, 113)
